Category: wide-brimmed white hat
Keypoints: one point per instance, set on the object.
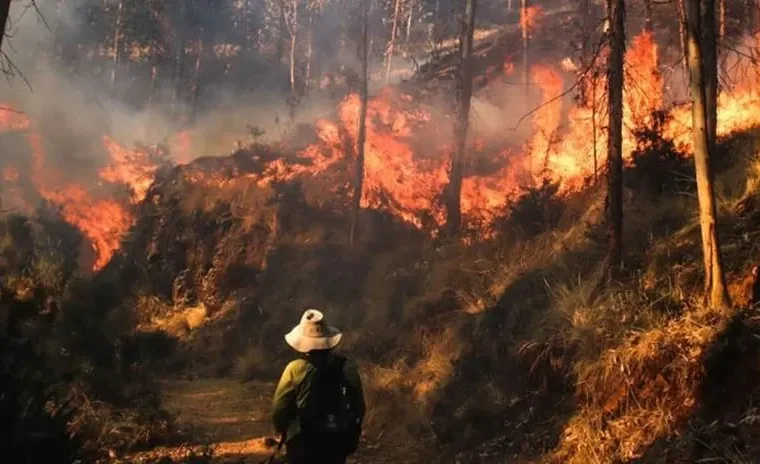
(313, 333)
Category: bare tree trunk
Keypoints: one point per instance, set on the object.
(593, 128)
(509, 6)
(116, 44)
(615, 138)
(283, 27)
(716, 293)
(681, 10)
(409, 18)
(5, 8)
(722, 20)
(179, 58)
(362, 135)
(153, 84)
(309, 47)
(710, 71)
(196, 77)
(391, 42)
(464, 93)
(293, 28)
(525, 28)
(751, 16)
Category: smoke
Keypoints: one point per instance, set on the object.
(61, 79)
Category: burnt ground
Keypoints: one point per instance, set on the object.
(232, 419)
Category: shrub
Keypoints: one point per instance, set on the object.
(538, 210)
(658, 166)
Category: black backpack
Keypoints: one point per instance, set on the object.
(328, 419)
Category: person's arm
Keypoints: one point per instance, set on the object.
(354, 380)
(284, 402)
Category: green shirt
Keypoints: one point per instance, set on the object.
(293, 391)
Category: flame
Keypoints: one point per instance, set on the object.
(12, 119)
(546, 119)
(10, 174)
(181, 147)
(133, 168)
(530, 16)
(406, 175)
(102, 221)
(643, 92)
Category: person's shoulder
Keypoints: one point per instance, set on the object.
(297, 367)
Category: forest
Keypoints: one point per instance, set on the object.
(534, 221)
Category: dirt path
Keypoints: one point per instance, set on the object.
(232, 418)
(226, 415)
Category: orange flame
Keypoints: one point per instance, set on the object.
(10, 174)
(133, 168)
(530, 16)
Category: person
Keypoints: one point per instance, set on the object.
(318, 406)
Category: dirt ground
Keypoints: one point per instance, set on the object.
(233, 419)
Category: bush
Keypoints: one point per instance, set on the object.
(538, 210)
(32, 413)
(658, 166)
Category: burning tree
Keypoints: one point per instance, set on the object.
(616, 11)
(715, 283)
(464, 92)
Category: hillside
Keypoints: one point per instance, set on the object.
(144, 299)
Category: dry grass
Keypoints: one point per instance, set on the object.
(639, 391)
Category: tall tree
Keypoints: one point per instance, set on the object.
(196, 75)
(292, 24)
(464, 93)
(681, 12)
(362, 135)
(525, 25)
(391, 41)
(5, 8)
(616, 15)
(710, 70)
(716, 293)
(116, 43)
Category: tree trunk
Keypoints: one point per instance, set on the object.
(716, 293)
(391, 42)
(179, 58)
(464, 92)
(283, 27)
(116, 44)
(293, 28)
(309, 48)
(196, 77)
(722, 19)
(648, 23)
(616, 9)
(751, 15)
(710, 71)
(5, 8)
(593, 128)
(409, 18)
(362, 135)
(525, 28)
(681, 10)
